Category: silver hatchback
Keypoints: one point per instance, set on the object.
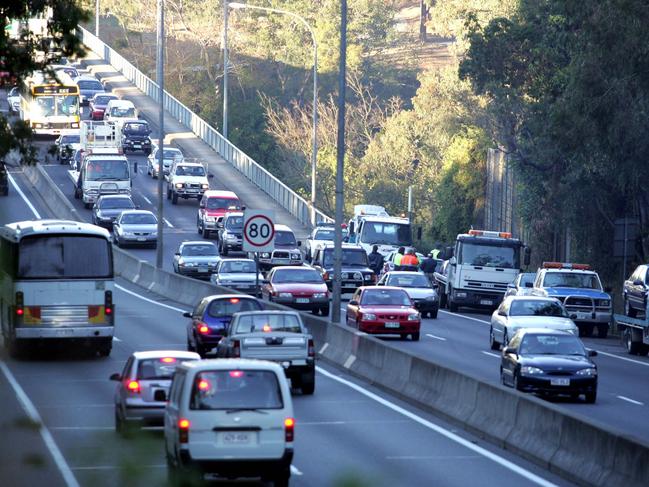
(143, 387)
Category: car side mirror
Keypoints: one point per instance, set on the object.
(638, 282)
(527, 256)
(353, 302)
(160, 395)
(116, 376)
(510, 350)
(177, 253)
(187, 314)
(299, 243)
(592, 353)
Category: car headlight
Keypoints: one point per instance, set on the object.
(527, 370)
(92, 191)
(605, 302)
(295, 256)
(230, 238)
(179, 185)
(367, 277)
(205, 186)
(127, 234)
(285, 295)
(589, 372)
(210, 219)
(413, 317)
(431, 297)
(223, 282)
(264, 255)
(319, 295)
(369, 316)
(460, 294)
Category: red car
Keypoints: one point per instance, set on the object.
(297, 287)
(212, 207)
(384, 310)
(97, 105)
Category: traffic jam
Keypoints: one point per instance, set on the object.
(391, 290)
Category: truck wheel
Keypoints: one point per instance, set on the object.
(16, 348)
(585, 329)
(602, 330)
(433, 314)
(105, 346)
(644, 350)
(174, 198)
(628, 310)
(452, 307)
(87, 205)
(632, 347)
(307, 383)
(282, 479)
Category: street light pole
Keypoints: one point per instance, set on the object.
(224, 42)
(161, 84)
(314, 141)
(97, 18)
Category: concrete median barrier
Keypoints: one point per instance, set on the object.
(578, 449)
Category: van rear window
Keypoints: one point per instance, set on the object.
(236, 389)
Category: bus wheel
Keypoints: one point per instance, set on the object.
(105, 346)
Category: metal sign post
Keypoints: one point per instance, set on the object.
(258, 235)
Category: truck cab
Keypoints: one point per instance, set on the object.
(372, 225)
(580, 290)
(480, 267)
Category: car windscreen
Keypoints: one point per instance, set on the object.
(116, 203)
(482, 255)
(64, 256)
(236, 389)
(229, 306)
(234, 223)
(285, 239)
(529, 307)
(103, 100)
(172, 154)
(268, 323)
(237, 267)
(223, 203)
(567, 279)
(136, 127)
(385, 297)
(190, 171)
(327, 234)
(123, 112)
(107, 170)
(158, 368)
(386, 233)
(138, 219)
(551, 345)
(408, 280)
(527, 278)
(90, 85)
(305, 275)
(199, 250)
(351, 257)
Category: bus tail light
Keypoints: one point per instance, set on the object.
(20, 311)
(108, 302)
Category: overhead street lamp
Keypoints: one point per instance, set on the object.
(314, 142)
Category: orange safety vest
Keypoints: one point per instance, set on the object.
(409, 259)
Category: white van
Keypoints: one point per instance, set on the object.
(120, 111)
(229, 417)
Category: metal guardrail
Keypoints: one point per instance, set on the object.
(260, 177)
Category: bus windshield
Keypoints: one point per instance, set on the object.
(53, 105)
(64, 257)
(485, 255)
(386, 233)
(111, 169)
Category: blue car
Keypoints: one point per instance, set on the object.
(211, 316)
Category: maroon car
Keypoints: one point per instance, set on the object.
(98, 104)
(384, 310)
(297, 287)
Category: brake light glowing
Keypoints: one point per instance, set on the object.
(289, 429)
(168, 360)
(311, 348)
(203, 328)
(183, 424)
(133, 386)
(566, 265)
(234, 300)
(183, 430)
(236, 374)
(266, 328)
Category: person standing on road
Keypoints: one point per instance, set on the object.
(436, 250)
(375, 260)
(410, 260)
(428, 266)
(398, 257)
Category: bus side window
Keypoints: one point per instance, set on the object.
(7, 257)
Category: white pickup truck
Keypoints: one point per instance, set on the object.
(186, 180)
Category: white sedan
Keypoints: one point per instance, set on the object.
(517, 312)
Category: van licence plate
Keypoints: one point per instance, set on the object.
(237, 438)
(560, 382)
(301, 300)
(141, 239)
(202, 269)
(392, 324)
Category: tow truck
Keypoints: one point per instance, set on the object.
(481, 265)
(580, 290)
(372, 225)
(635, 333)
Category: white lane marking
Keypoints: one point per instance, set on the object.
(437, 457)
(295, 471)
(632, 401)
(146, 199)
(646, 364)
(31, 411)
(82, 428)
(490, 354)
(465, 317)
(117, 467)
(168, 223)
(446, 433)
(22, 195)
(128, 291)
(116, 339)
(436, 337)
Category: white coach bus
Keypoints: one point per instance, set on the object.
(56, 283)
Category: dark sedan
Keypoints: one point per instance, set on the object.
(108, 207)
(211, 316)
(549, 362)
(135, 136)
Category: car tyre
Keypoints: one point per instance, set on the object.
(591, 397)
(224, 250)
(415, 337)
(602, 330)
(493, 344)
(307, 383)
(443, 301)
(199, 229)
(174, 198)
(433, 314)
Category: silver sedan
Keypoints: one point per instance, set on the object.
(136, 227)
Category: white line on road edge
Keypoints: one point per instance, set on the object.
(490, 354)
(632, 401)
(436, 337)
(20, 192)
(128, 291)
(646, 364)
(146, 199)
(295, 471)
(31, 411)
(116, 339)
(438, 429)
(168, 223)
(465, 317)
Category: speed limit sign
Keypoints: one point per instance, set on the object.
(258, 230)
